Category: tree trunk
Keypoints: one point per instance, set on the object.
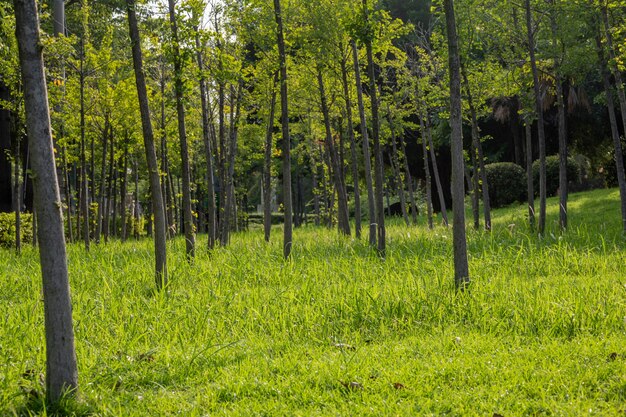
(288, 226)
(353, 150)
(190, 239)
(409, 181)
(84, 200)
(343, 220)
(529, 174)
(148, 136)
(378, 152)
(206, 133)
(267, 165)
(461, 268)
(123, 191)
(540, 127)
(103, 167)
(110, 191)
(367, 159)
(17, 190)
(561, 124)
(617, 144)
(433, 157)
(478, 157)
(395, 161)
(429, 197)
(61, 369)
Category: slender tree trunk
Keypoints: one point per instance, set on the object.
(429, 197)
(230, 204)
(17, 191)
(110, 191)
(615, 71)
(288, 227)
(561, 124)
(148, 136)
(395, 162)
(477, 153)
(61, 369)
(367, 159)
(540, 127)
(378, 152)
(206, 133)
(103, 167)
(353, 149)
(342, 215)
(83, 156)
(68, 196)
(124, 190)
(529, 174)
(267, 165)
(190, 239)
(433, 157)
(461, 268)
(409, 181)
(617, 144)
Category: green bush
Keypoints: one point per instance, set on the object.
(7, 229)
(552, 174)
(507, 183)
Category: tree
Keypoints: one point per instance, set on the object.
(158, 208)
(61, 369)
(284, 104)
(461, 268)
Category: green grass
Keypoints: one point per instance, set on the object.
(336, 331)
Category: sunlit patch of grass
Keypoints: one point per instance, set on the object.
(337, 331)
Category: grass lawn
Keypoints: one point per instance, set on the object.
(335, 331)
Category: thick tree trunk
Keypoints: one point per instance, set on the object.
(61, 369)
(206, 135)
(353, 149)
(267, 165)
(461, 268)
(155, 182)
(540, 127)
(617, 144)
(367, 159)
(343, 220)
(288, 226)
(190, 239)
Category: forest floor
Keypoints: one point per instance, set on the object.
(335, 330)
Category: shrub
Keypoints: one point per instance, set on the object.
(552, 174)
(507, 183)
(7, 229)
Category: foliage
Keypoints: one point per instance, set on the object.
(552, 173)
(7, 229)
(507, 183)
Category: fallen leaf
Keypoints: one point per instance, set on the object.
(398, 385)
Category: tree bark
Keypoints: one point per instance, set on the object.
(433, 157)
(353, 149)
(148, 136)
(429, 198)
(395, 160)
(190, 239)
(461, 268)
(103, 166)
(529, 175)
(367, 159)
(343, 220)
(267, 165)
(287, 204)
(206, 135)
(617, 144)
(378, 152)
(61, 369)
(540, 127)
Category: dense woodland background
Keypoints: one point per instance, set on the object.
(98, 135)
